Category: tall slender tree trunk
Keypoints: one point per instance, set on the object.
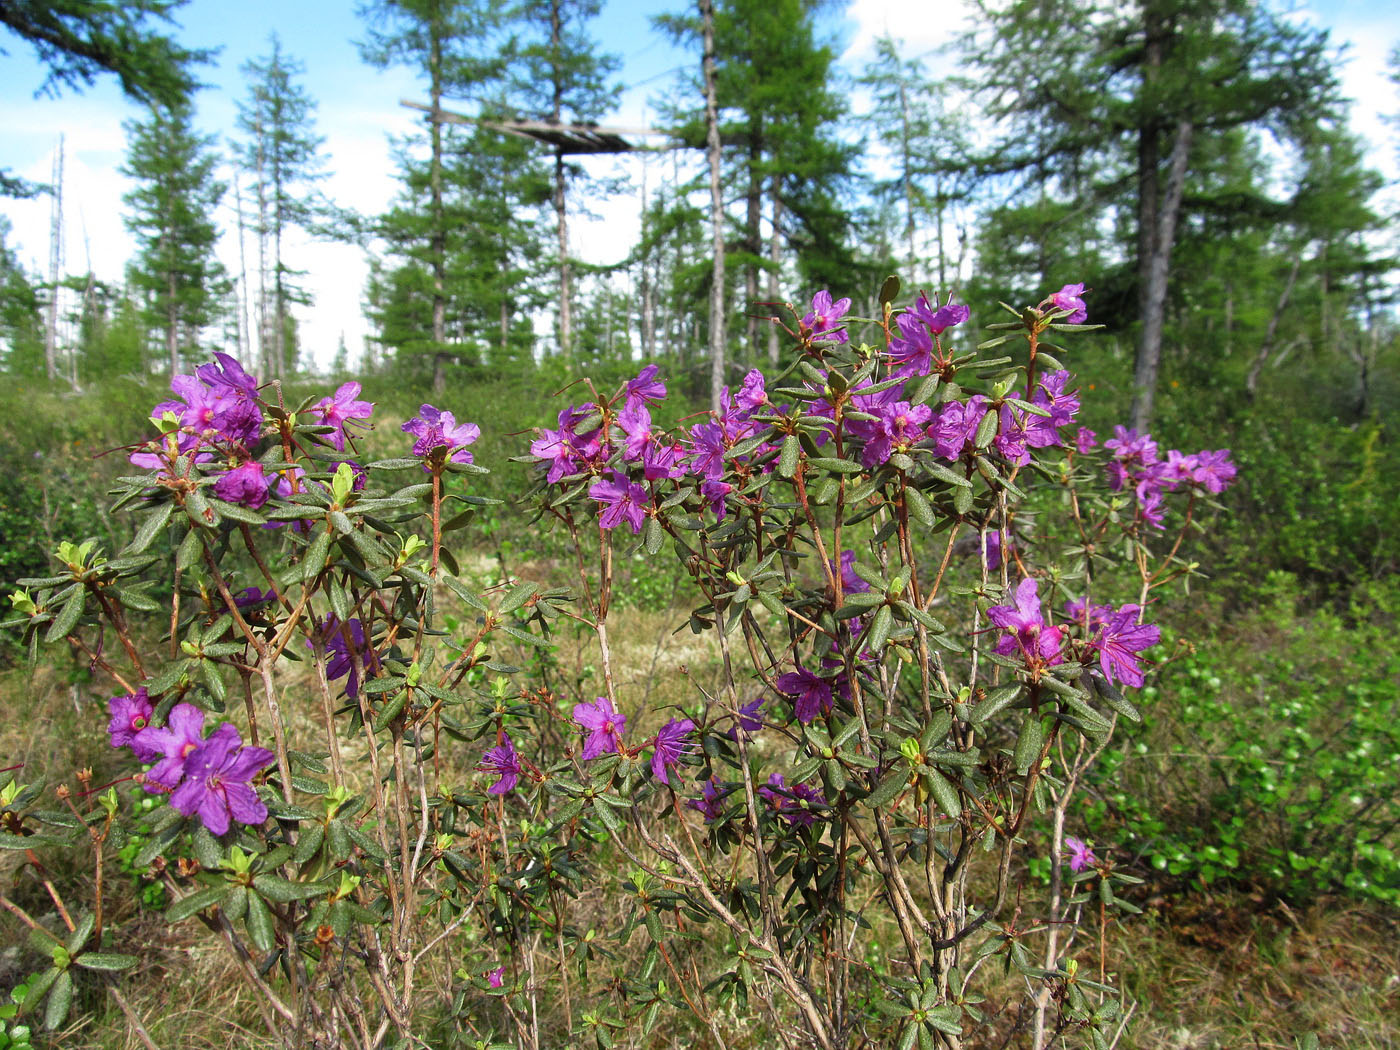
(1158, 209)
(55, 266)
(244, 336)
(1153, 272)
(438, 246)
(566, 339)
(753, 237)
(712, 152)
(774, 265)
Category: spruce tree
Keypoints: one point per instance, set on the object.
(171, 213)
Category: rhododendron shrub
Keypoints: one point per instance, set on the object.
(834, 840)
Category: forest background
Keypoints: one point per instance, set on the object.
(1195, 165)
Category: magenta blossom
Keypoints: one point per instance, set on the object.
(505, 763)
(710, 802)
(796, 804)
(823, 321)
(671, 746)
(245, 484)
(172, 744)
(944, 317)
(604, 724)
(1081, 856)
(130, 714)
(646, 387)
(496, 977)
(218, 781)
(437, 429)
(1026, 629)
(341, 410)
(1071, 298)
(622, 500)
(810, 695)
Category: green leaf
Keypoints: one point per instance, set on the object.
(259, 924)
(150, 528)
(284, 891)
(1029, 743)
(197, 901)
(887, 789)
(919, 508)
(880, 630)
(942, 473)
(105, 961)
(315, 558)
(787, 459)
(60, 999)
(390, 711)
(986, 430)
(653, 536)
(516, 597)
(944, 793)
(994, 702)
(189, 550)
(836, 466)
(67, 617)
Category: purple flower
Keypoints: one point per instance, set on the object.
(810, 695)
(1071, 298)
(227, 378)
(715, 492)
(1026, 628)
(646, 386)
(436, 429)
(911, 353)
(1086, 440)
(1119, 641)
(245, 484)
(851, 582)
(496, 977)
(505, 763)
(712, 794)
(749, 722)
(670, 747)
(342, 409)
(753, 396)
(130, 714)
(709, 444)
(946, 316)
(794, 804)
(217, 784)
(900, 426)
(635, 421)
(824, 319)
(181, 736)
(604, 724)
(624, 501)
(994, 550)
(1214, 470)
(341, 662)
(1080, 855)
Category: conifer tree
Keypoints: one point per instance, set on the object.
(1099, 98)
(562, 78)
(171, 214)
(281, 151)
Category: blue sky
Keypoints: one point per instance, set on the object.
(358, 110)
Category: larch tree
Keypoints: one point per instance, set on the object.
(171, 210)
(281, 151)
(1101, 102)
(78, 41)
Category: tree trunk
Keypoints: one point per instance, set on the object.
(1153, 272)
(774, 257)
(753, 238)
(1251, 382)
(712, 152)
(566, 340)
(438, 247)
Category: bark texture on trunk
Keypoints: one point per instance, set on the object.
(712, 150)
